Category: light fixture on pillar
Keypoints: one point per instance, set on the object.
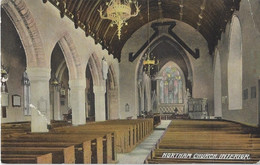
(150, 62)
(62, 91)
(119, 12)
(4, 90)
(54, 82)
(4, 78)
(104, 68)
(26, 80)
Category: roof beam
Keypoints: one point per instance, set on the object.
(202, 8)
(181, 9)
(171, 25)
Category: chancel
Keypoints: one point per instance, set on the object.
(130, 81)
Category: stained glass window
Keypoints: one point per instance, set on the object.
(171, 86)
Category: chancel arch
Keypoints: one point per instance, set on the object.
(166, 50)
(235, 66)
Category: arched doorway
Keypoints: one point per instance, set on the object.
(217, 86)
(235, 66)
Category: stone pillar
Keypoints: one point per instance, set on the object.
(113, 104)
(40, 101)
(56, 104)
(100, 111)
(158, 101)
(77, 101)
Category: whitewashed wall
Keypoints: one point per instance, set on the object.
(202, 67)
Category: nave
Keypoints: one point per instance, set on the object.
(78, 86)
(102, 142)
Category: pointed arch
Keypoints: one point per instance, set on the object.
(60, 70)
(112, 74)
(186, 67)
(27, 29)
(71, 56)
(112, 94)
(176, 54)
(95, 69)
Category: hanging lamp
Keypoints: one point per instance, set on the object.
(150, 62)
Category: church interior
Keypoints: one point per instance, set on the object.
(130, 81)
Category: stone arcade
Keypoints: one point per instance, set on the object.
(63, 65)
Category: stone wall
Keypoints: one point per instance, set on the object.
(248, 16)
(201, 68)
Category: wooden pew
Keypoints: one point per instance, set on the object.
(197, 136)
(120, 133)
(59, 154)
(189, 161)
(108, 141)
(128, 133)
(93, 143)
(29, 159)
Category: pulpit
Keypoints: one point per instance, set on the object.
(198, 108)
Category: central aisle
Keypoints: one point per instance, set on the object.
(139, 154)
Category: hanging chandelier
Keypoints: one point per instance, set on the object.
(150, 62)
(119, 13)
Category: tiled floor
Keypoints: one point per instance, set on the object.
(139, 154)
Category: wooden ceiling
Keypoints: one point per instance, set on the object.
(209, 17)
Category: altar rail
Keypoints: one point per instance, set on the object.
(171, 108)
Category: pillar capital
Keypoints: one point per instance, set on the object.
(99, 89)
(78, 84)
(38, 74)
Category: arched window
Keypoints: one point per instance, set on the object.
(235, 66)
(171, 86)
